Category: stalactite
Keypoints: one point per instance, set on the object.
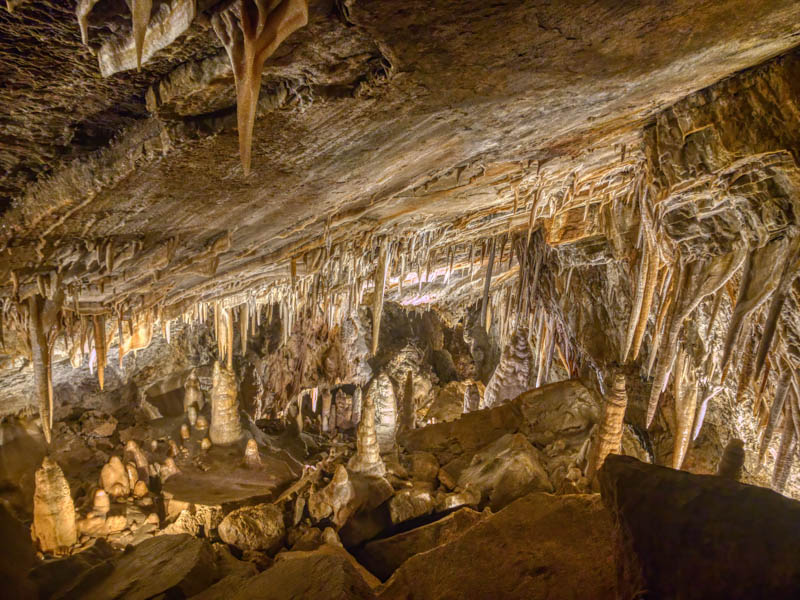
(244, 322)
(251, 31)
(775, 410)
(666, 305)
(378, 295)
(487, 284)
(786, 453)
(228, 322)
(746, 373)
(788, 275)
(609, 436)
(100, 347)
(651, 281)
(41, 364)
(685, 396)
(732, 460)
(638, 298)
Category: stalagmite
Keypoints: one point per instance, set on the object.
(251, 31)
(192, 394)
(133, 453)
(40, 354)
(327, 399)
(378, 294)
(408, 412)
(732, 460)
(225, 426)
(53, 527)
(472, 398)
(101, 503)
(252, 457)
(609, 437)
(191, 415)
(367, 458)
(202, 423)
(781, 391)
(114, 478)
(510, 378)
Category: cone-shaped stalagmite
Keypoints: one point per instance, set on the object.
(510, 378)
(251, 30)
(225, 426)
(53, 511)
(367, 458)
(192, 394)
(609, 437)
(408, 413)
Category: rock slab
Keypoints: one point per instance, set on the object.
(687, 536)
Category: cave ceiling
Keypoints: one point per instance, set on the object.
(430, 128)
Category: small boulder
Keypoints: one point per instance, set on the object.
(257, 527)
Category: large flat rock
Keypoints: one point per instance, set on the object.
(541, 546)
(688, 536)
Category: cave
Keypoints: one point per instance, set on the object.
(383, 300)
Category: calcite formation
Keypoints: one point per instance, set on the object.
(609, 437)
(334, 500)
(225, 428)
(114, 478)
(53, 510)
(367, 458)
(380, 394)
(511, 376)
(192, 395)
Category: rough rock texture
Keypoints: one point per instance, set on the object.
(326, 573)
(53, 511)
(384, 556)
(511, 376)
(505, 470)
(171, 564)
(676, 534)
(335, 500)
(225, 426)
(257, 527)
(16, 557)
(381, 392)
(540, 546)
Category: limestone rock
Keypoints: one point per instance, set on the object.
(449, 403)
(424, 466)
(506, 470)
(384, 556)
(411, 503)
(257, 527)
(114, 478)
(677, 532)
(192, 394)
(344, 411)
(472, 398)
(367, 458)
(175, 565)
(133, 453)
(381, 394)
(335, 500)
(225, 426)
(327, 573)
(510, 378)
(53, 527)
(540, 546)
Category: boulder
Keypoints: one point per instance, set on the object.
(424, 466)
(382, 557)
(505, 470)
(175, 565)
(323, 574)
(412, 502)
(680, 535)
(257, 527)
(540, 546)
(449, 403)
